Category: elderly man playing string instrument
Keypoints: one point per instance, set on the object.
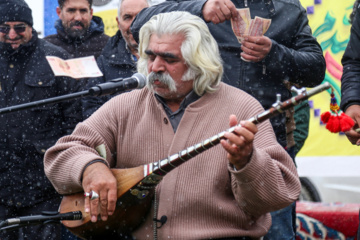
(224, 192)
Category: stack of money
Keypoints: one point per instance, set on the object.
(245, 26)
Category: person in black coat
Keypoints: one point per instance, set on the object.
(78, 32)
(260, 65)
(26, 76)
(350, 80)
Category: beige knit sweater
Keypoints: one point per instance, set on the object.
(203, 198)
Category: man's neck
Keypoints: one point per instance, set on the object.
(174, 105)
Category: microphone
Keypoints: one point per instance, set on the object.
(137, 80)
(46, 216)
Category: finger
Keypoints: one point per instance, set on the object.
(231, 148)
(210, 12)
(242, 135)
(94, 207)
(112, 198)
(249, 49)
(253, 49)
(256, 40)
(220, 16)
(226, 12)
(231, 7)
(87, 204)
(246, 136)
(249, 126)
(104, 204)
(235, 139)
(249, 58)
(353, 136)
(215, 19)
(233, 120)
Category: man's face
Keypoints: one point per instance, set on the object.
(165, 58)
(15, 33)
(76, 16)
(128, 11)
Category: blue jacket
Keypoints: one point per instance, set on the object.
(295, 55)
(25, 135)
(115, 61)
(350, 81)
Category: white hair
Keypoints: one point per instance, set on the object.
(150, 3)
(199, 49)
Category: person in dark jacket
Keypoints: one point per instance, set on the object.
(78, 32)
(288, 51)
(26, 76)
(350, 80)
(119, 56)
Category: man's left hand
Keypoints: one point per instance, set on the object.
(255, 49)
(239, 144)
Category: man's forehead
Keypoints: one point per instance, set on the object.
(77, 4)
(137, 4)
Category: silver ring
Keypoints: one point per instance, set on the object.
(93, 195)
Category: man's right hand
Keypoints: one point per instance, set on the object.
(98, 177)
(354, 112)
(218, 11)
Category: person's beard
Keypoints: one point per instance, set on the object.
(164, 78)
(76, 33)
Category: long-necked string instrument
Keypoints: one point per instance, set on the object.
(136, 186)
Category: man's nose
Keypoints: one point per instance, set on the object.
(12, 34)
(158, 65)
(77, 16)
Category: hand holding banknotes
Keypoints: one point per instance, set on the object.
(218, 11)
(255, 48)
(250, 33)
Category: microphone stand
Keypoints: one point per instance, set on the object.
(47, 217)
(114, 86)
(44, 102)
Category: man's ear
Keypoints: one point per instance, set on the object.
(58, 11)
(91, 12)
(118, 23)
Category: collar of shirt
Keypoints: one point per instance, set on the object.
(175, 117)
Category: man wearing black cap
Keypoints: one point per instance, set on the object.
(26, 76)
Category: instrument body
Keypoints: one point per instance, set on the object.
(136, 186)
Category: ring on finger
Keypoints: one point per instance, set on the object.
(93, 195)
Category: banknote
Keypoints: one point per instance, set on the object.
(245, 26)
(259, 26)
(242, 24)
(75, 68)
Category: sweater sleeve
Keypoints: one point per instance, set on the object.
(269, 181)
(92, 139)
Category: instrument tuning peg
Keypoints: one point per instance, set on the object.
(278, 101)
(298, 91)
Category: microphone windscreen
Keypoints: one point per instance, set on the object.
(141, 79)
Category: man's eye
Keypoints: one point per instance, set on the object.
(127, 17)
(170, 60)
